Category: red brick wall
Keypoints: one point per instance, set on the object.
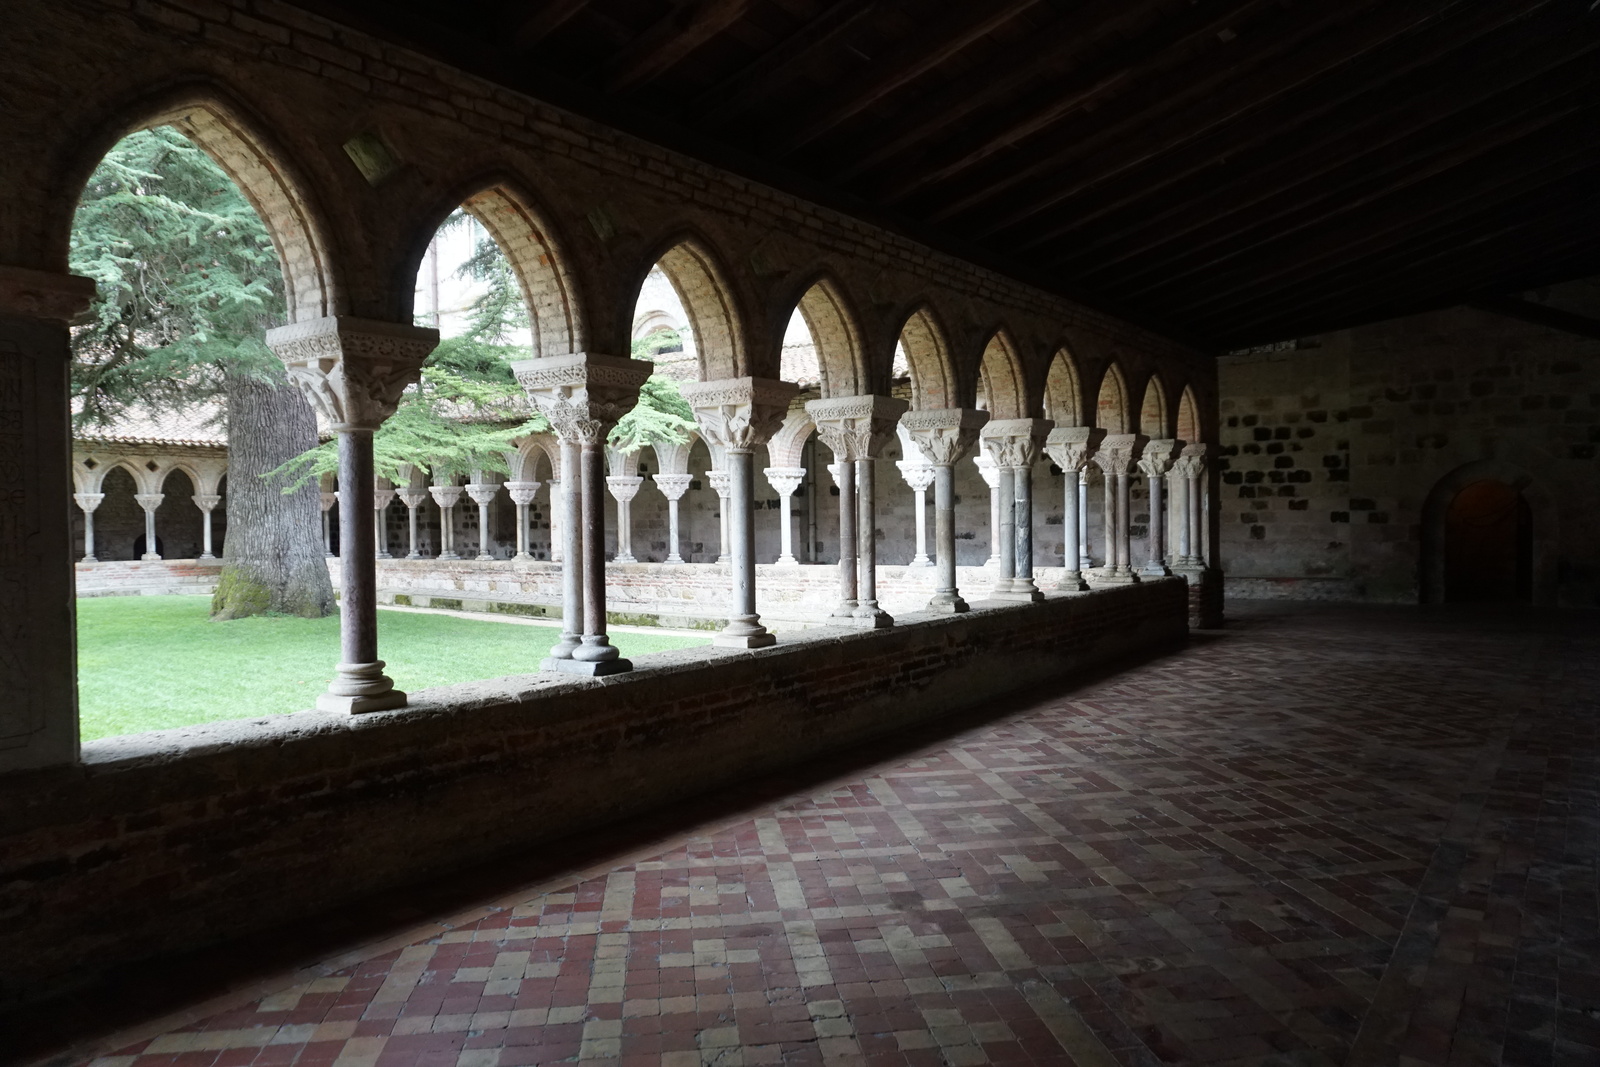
(161, 841)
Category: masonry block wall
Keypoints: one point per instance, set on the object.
(175, 839)
(1341, 453)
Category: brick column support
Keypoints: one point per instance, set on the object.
(38, 629)
(353, 371)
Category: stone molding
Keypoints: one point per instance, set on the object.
(1157, 457)
(738, 414)
(624, 487)
(856, 427)
(352, 370)
(673, 486)
(785, 479)
(944, 434)
(1072, 447)
(1119, 452)
(1015, 443)
(42, 294)
(583, 394)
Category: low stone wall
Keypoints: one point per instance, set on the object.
(157, 577)
(168, 841)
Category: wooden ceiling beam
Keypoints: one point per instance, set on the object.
(1137, 62)
(1383, 259)
(549, 18)
(936, 43)
(1388, 115)
(669, 40)
(1075, 37)
(1500, 157)
(1301, 61)
(778, 65)
(1539, 315)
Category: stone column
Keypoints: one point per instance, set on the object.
(381, 499)
(918, 475)
(353, 371)
(673, 486)
(1117, 457)
(328, 501)
(1154, 463)
(944, 436)
(1085, 558)
(571, 503)
(1188, 470)
(412, 497)
(447, 496)
(718, 480)
(583, 395)
(558, 511)
(857, 429)
(1071, 448)
(207, 503)
(737, 415)
(523, 495)
(786, 480)
(1015, 445)
(483, 494)
(991, 477)
(88, 502)
(623, 489)
(38, 631)
(149, 502)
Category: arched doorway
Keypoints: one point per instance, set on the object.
(1488, 544)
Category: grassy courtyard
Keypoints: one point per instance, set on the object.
(153, 662)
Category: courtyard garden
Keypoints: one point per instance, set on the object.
(155, 662)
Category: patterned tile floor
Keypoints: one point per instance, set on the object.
(1323, 836)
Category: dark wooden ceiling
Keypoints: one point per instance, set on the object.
(1234, 172)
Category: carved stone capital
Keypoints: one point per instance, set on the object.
(88, 501)
(482, 492)
(42, 294)
(673, 486)
(987, 469)
(352, 370)
(624, 487)
(1071, 447)
(523, 493)
(411, 498)
(1190, 461)
(1157, 457)
(944, 435)
(329, 500)
(1119, 452)
(917, 474)
(785, 479)
(583, 394)
(856, 427)
(446, 496)
(149, 501)
(1015, 443)
(737, 414)
(206, 501)
(720, 481)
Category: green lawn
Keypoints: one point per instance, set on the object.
(153, 662)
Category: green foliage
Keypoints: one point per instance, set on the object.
(188, 279)
(662, 415)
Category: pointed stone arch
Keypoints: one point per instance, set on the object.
(1545, 534)
(708, 300)
(1063, 396)
(254, 161)
(933, 375)
(1111, 411)
(1153, 409)
(1002, 385)
(787, 447)
(841, 357)
(1188, 428)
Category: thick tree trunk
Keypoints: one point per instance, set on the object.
(273, 559)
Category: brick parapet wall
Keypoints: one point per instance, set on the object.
(167, 841)
(148, 577)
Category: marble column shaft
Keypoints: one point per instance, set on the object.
(944, 436)
(857, 429)
(1072, 448)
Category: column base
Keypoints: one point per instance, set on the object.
(1022, 591)
(869, 618)
(786, 561)
(1116, 578)
(918, 563)
(447, 556)
(587, 668)
(150, 557)
(1073, 582)
(948, 604)
(360, 687)
(630, 558)
(522, 557)
(409, 555)
(723, 639)
(205, 555)
(90, 559)
(1155, 570)
(673, 558)
(382, 555)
